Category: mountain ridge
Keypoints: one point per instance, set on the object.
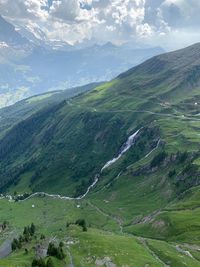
(9, 35)
(91, 106)
(146, 202)
(32, 68)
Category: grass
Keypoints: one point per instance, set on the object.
(182, 226)
(179, 221)
(122, 250)
(51, 215)
(94, 246)
(39, 97)
(61, 148)
(19, 259)
(24, 182)
(170, 256)
(131, 196)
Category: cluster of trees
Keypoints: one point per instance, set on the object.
(18, 140)
(188, 178)
(158, 159)
(82, 223)
(41, 263)
(10, 176)
(81, 188)
(182, 156)
(16, 244)
(37, 175)
(28, 232)
(4, 225)
(189, 174)
(171, 173)
(52, 251)
(79, 222)
(56, 251)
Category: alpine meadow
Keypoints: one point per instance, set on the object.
(99, 134)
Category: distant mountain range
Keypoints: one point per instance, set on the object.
(9, 35)
(30, 64)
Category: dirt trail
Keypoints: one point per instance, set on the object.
(117, 220)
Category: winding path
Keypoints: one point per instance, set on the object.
(117, 220)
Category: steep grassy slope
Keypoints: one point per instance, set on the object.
(152, 191)
(21, 110)
(177, 221)
(70, 141)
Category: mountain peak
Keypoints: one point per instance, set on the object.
(109, 45)
(9, 35)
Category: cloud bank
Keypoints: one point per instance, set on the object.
(170, 23)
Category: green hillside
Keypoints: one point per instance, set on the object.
(69, 142)
(23, 109)
(147, 202)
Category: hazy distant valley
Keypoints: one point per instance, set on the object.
(30, 66)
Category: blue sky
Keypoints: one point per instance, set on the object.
(168, 23)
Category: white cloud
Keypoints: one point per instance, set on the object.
(24, 9)
(181, 13)
(65, 9)
(121, 17)
(144, 30)
(118, 21)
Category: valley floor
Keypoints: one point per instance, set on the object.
(111, 246)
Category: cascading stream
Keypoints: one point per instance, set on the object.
(125, 148)
(129, 143)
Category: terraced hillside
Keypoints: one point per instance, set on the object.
(148, 197)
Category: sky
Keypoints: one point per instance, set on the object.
(168, 23)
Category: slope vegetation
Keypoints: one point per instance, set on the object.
(151, 191)
(68, 142)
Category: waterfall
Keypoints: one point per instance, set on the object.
(129, 143)
(125, 148)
